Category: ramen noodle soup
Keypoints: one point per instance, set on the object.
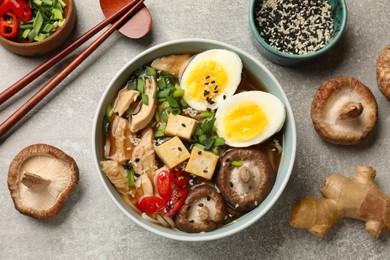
(193, 140)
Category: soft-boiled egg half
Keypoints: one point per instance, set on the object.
(249, 118)
(210, 78)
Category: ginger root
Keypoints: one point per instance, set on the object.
(359, 198)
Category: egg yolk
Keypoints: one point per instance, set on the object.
(244, 122)
(206, 81)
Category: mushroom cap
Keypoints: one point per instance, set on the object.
(204, 210)
(40, 178)
(344, 111)
(383, 72)
(245, 187)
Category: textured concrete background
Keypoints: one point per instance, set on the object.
(91, 226)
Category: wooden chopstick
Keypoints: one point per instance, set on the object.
(20, 84)
(46, 89)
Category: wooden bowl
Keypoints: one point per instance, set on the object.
(49, 44)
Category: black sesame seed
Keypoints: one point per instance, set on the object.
(209, 109)
(208, 198)
(224, 96)
(213, 82)
(189, 207)
(200, 205)
(183, 125)
(200, 152)
(179, 148)
(207, 77)
(192, 221)
(136, 160)
(231, 184)
(205, 171)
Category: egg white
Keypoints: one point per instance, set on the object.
(272, 108)
(231, 64)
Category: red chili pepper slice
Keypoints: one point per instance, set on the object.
(178, 197)
(20, 8)
(9, 25)
(163, 183)
(179, 177)
(151, 204)
(4, 7)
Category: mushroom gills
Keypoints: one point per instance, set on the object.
(44, 178)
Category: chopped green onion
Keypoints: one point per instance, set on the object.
(151, 71)
(62, 3)
(217, 150)
(178, 93)
(25, 33)
(165, 105)
(47, 2)
(26, 26)
(37, 2)
(109, 111)
(106, 125)
(164, 116)
(199, 146)
(157, 117)
(40, 37)
(237, 163)
(164, 93)
(208, 143)
(207, 114)
(47, 28)
(159, 133)
(162, 127)
(130, 178)
(202, 138)
(145, 99)
(31, 35)
(141, 84)
(38, 21)
(219, 141)
(129, 112)
(161, 83)
(183, 103)
(172, 102)
(57, 14)
(207, 125)
(132, 84)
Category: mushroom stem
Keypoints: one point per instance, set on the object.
(351, 110)
(204, 212)
(34, 182)
(245, 174)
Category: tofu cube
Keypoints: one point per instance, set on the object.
(172, 152)
(180, 126)
(202, 163)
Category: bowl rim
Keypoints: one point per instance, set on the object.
(69, 11)
(207, 235)
(268, 47)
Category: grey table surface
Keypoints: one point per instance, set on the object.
(91, 226)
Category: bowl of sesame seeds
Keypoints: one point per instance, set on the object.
(292, 32)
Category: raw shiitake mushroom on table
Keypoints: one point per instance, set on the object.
(40, 179)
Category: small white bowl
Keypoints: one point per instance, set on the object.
(256, 68)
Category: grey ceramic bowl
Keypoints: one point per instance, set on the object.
(254, 66)
(339, 10)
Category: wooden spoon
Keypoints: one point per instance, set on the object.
(138, 25)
